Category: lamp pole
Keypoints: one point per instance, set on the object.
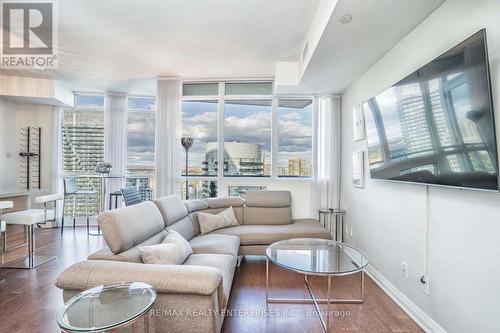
(187, 143)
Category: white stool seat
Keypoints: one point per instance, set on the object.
(6, 204)
(28, 216)
(48, 198)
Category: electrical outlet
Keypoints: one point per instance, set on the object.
(404, 269)
(424, 284)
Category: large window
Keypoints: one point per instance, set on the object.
(83, 134)
(199, 121)
(294, 137)
(241, 190)
(141, 145)
(232, 124)
(83, 147)
(247, 138)
(141, 136)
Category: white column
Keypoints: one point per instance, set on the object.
(168, 136)
(57, 160)
(115, 139)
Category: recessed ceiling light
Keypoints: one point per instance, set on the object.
(345, 19)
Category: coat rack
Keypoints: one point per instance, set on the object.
(30, 146)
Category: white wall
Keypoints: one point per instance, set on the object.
(13, 116)
(8, 148)
(389, 219)
(39, 115)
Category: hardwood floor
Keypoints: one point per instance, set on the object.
(247, 303)
(29, 300)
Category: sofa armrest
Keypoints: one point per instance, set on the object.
(166, 279)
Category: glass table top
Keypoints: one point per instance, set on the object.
(317, 256)
(105, 307)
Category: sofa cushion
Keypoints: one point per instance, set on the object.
(268, 234)
(223, 262)
(173, 250)
(274, 199)
(123, 228)
(130, 255)
(194, 205)
(172, 209)
(211, 222)
(225, 202)
(217, 244)
(267, 216)
(238, 212)
(267, 208)
(183, 227)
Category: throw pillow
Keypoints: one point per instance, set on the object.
(211, 222)
(174, 250)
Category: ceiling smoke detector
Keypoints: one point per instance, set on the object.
(345, 19)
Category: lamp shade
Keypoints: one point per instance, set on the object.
(187, 143)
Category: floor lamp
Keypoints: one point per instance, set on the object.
(187, 143)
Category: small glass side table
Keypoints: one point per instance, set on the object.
(333, 220)
(317, 257)
(105, 308)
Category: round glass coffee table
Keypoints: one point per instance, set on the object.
(318, 257)
(105, 308)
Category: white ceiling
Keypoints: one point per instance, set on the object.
(346, 51)
(122, 45)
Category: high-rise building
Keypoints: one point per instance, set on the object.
(413, 120)
(240, 159)
(298, 167)
(83, 147)
(83, 140)
(145, 186)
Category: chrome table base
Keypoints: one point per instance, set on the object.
(316, 301)
(32, 260)
(29, 262)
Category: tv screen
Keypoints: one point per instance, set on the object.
(436, 126)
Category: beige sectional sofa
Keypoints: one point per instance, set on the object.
(192, 297)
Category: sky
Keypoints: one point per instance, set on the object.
(243, 123)
(248, 123)
(141, 131)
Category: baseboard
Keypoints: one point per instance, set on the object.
(419, 316)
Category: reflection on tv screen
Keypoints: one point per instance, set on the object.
(436, 125)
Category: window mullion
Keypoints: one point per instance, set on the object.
(220, 134)
(274, 139)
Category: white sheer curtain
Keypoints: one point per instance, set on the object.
(168, 136)
(115, 124)
(326, 143)
(57, 164)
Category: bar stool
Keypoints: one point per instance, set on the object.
(27, 218)
(71, 190)
(49, 214)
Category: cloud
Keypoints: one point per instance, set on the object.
(202, 126)
(254, 127)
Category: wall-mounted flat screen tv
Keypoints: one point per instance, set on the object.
(436, 126)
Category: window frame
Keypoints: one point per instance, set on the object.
(223, 182)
